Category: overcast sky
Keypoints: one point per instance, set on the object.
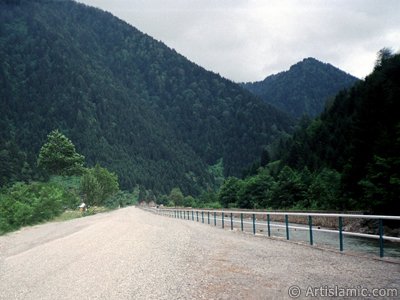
(247, 40)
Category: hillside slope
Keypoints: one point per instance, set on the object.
(359, 136)
(348, 158)
(304, 89)
(127, 101)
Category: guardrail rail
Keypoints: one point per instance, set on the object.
(251, 220)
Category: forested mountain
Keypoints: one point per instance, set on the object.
(304, 89)
(348, 158)
(126, 100)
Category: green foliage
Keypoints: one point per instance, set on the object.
(217, 172)
(289, 189)
(121, 199)
(27, 204)
(68, 215)
(383, 54)
(304, 89)
(71, 186)
(13, 162)
(208, 199)
(325, 191)
(212, 205)
(108, 182)
(381, 186)
(98, 184)
(228, 194)
(348, 158)
(164, 200)
(59, 157)
(91, 189)
(126, 101)
(176, 197)
(189, 201)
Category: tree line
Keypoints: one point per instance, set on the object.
(68, 184)
(128, 101)
(348, 158)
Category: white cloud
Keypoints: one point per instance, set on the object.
(246, 40)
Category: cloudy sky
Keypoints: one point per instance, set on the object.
(246, 40)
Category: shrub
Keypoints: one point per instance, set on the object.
(28, 204)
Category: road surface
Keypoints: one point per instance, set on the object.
(133, 254)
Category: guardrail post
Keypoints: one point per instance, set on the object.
(181, 213)
(341, 233)
(381, 238)
(311, 233)
(254, 223)
(287, 226)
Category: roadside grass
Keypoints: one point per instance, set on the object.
(74, 214)
(65, 216)
(68, 215)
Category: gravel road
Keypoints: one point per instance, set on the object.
(133, 254)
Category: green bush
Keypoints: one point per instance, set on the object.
(28, 204)
(120, 199)
(98, 184)
(213, 205)
(6, 218)
(71, 187)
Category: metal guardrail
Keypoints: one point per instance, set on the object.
(238, 217)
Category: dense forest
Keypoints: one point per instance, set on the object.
(145, 119)
(127, 101)
(347, 158)
(304, 89)
(69, 184)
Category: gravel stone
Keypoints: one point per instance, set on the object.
(133, 254)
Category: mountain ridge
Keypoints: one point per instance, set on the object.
(126, 100)
(311, 82)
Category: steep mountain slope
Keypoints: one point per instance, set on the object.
(348, 158)
(126, 100)
(359, 136)
(304, 89)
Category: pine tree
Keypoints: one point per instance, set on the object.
(59, 157)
